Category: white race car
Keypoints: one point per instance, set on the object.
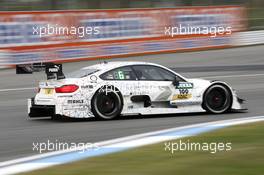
(111, 89)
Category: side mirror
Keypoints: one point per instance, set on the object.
(175, 82)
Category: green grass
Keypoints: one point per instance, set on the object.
(245, 158)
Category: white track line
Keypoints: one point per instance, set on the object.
(36, 162)
(17, 89)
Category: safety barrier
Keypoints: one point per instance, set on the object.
(27, 37)
(249, 38)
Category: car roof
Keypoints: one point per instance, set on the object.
(115, 64)
(107, 66)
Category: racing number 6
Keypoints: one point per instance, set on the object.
(121, 75)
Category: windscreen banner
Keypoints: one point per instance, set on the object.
(42, 36)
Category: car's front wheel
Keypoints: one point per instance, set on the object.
(107, 104)
(217, 99)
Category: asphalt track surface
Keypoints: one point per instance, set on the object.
(242, 68)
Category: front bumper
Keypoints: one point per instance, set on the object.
(40, 110)
(238, 104)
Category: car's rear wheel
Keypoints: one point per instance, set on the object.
(107, 103)
(217, 99)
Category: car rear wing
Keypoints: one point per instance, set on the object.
(52, 70)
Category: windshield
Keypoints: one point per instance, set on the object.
(81, 73)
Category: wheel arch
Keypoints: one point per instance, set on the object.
(112, 87)
(218, 83)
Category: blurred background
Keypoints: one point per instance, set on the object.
(136, 29)
(254, 7)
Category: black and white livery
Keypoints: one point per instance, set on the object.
(109, 90)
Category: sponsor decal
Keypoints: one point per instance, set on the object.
(183, 93)
(75, 101)
(49, 91)
(181, 96)
(87, 87)
(184, 85)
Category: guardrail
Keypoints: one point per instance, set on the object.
(249, 38)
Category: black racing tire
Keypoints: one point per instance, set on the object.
(217, 99)
(107, 103)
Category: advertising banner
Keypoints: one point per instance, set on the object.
(70, 35)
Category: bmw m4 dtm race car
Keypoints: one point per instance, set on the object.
(111, 89)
